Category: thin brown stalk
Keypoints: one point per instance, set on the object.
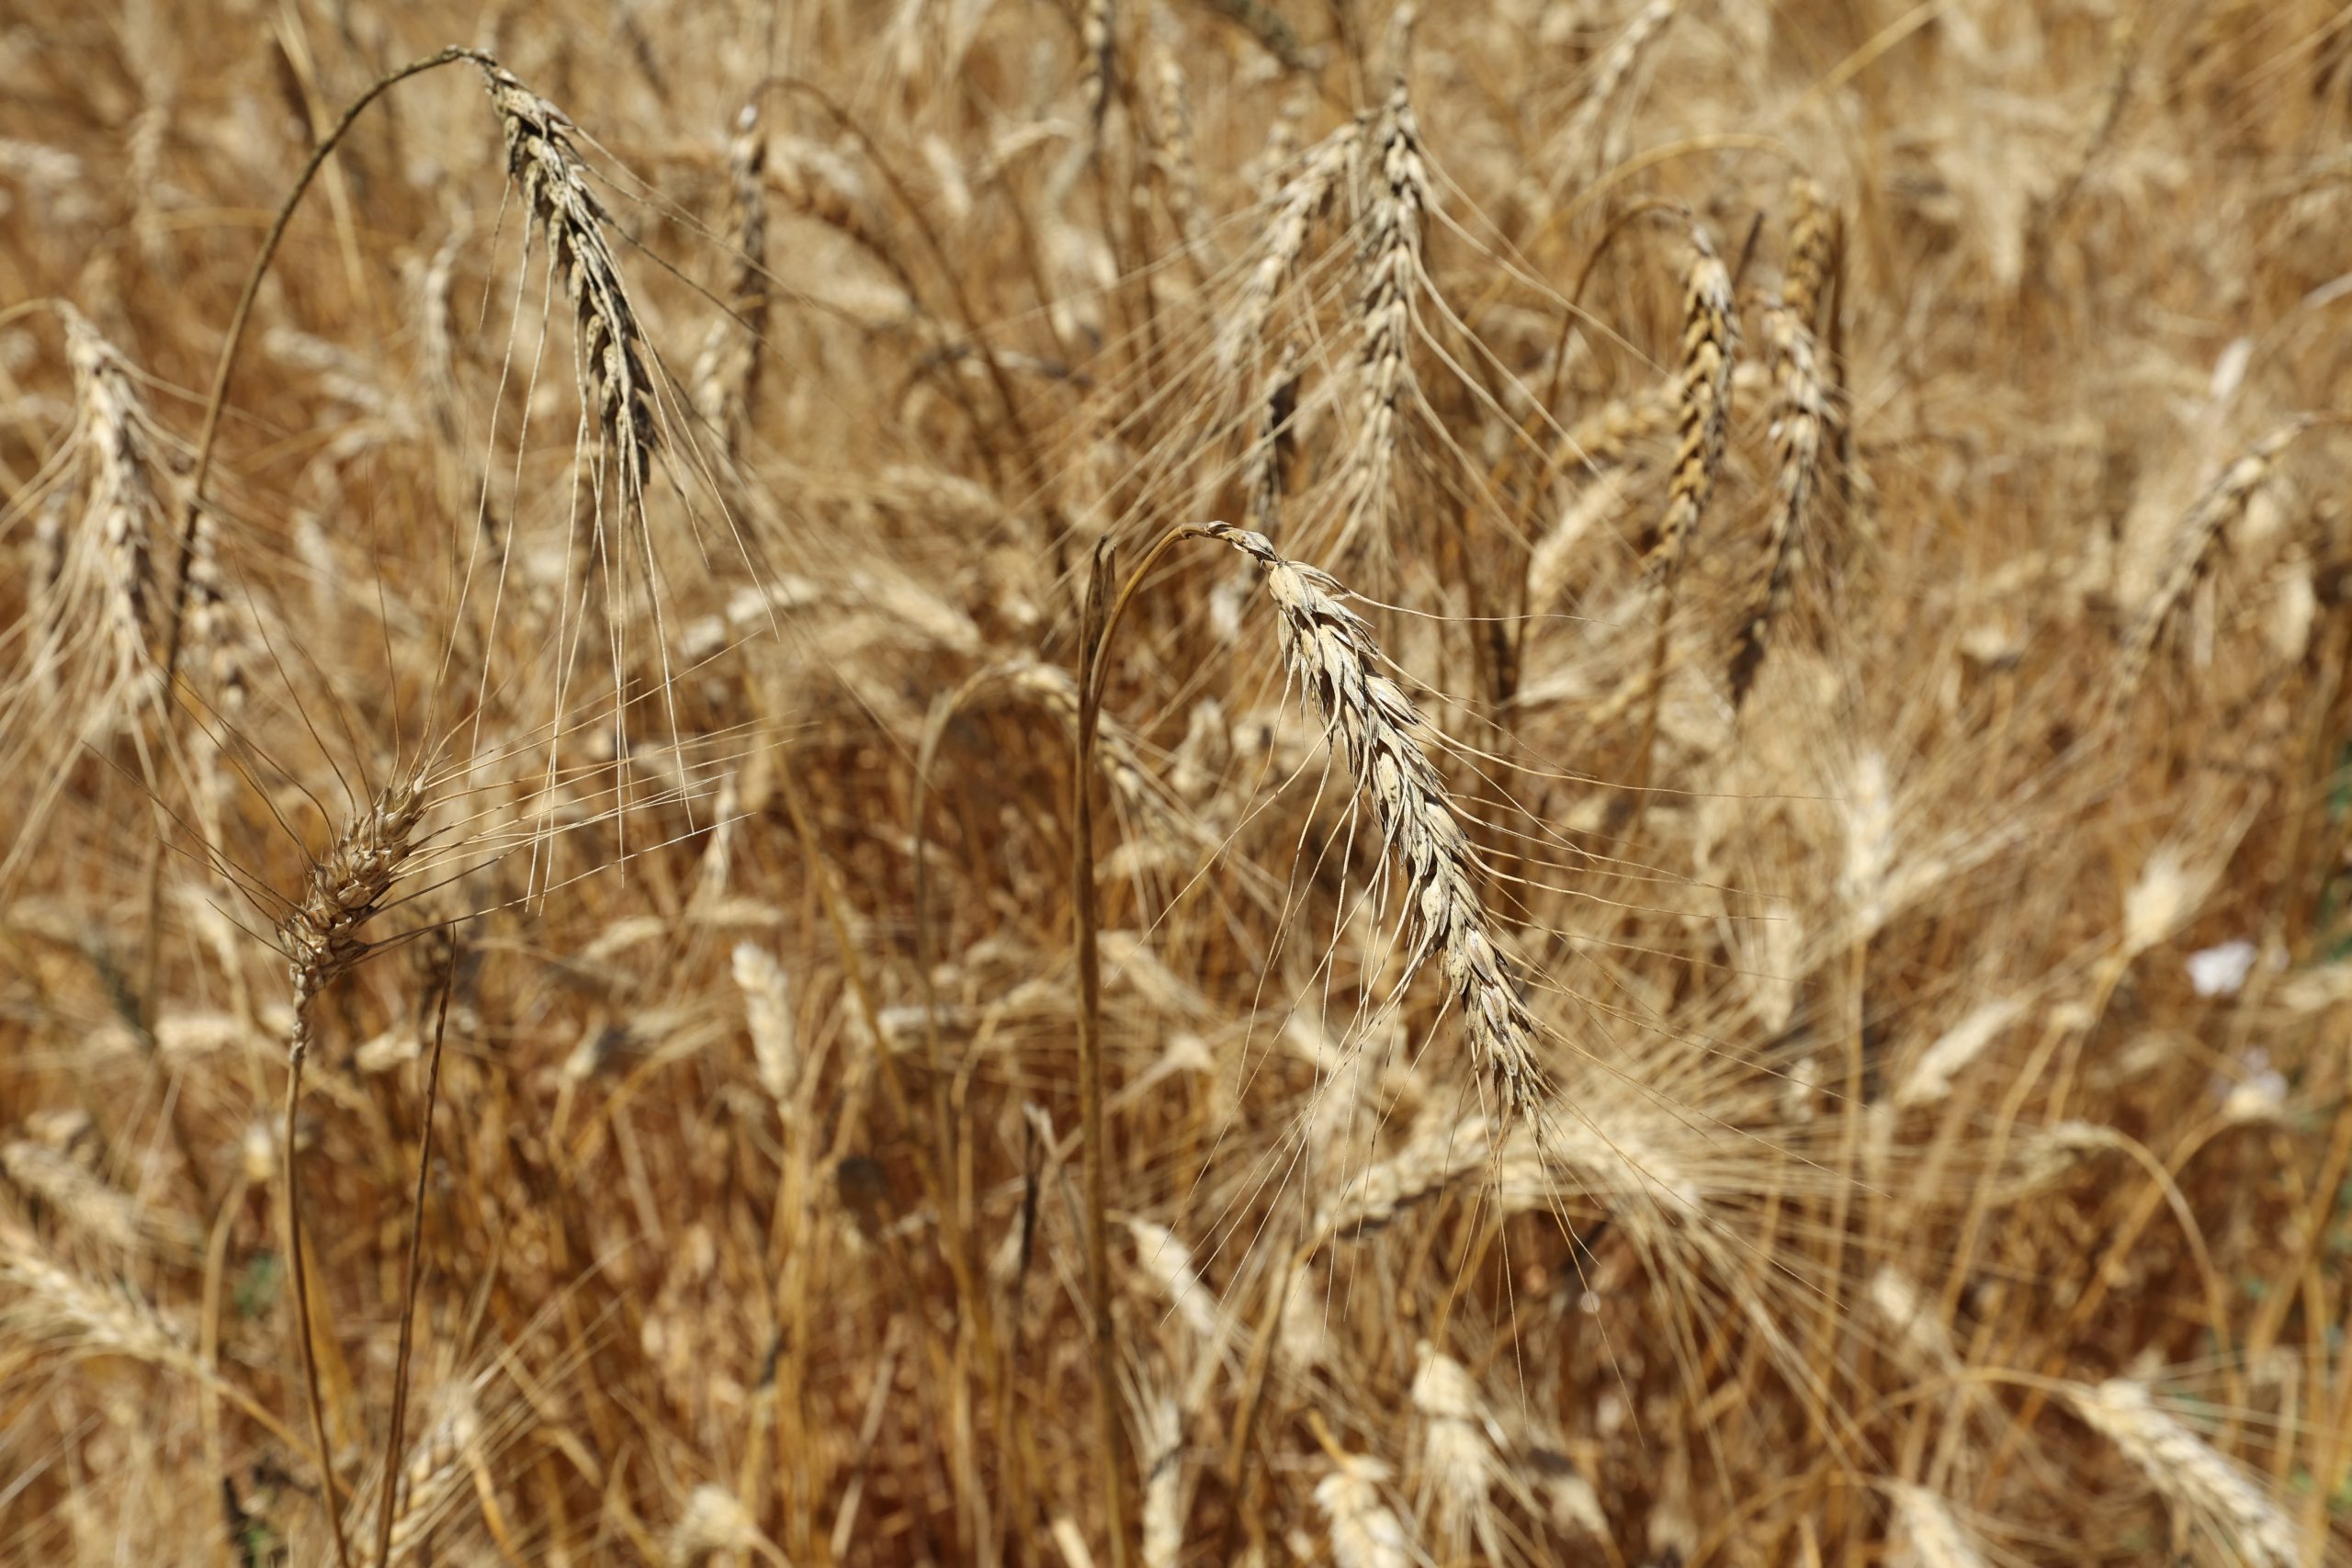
(1110, 1458)
(412, 1275)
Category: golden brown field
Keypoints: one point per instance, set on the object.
(1175, 782)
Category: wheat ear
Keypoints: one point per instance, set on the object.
(1302, 198)
(1799, 404)
(1393, 270)
(727, 372)
(1581, 141)
(2189, 1474)
(1929, 1533)
(2196, 543)
(1710, 339)
(612, 348)
(123, 510)
(1331, 651)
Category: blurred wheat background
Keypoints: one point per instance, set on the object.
(1175, 782)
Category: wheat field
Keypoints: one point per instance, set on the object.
(1175, 782)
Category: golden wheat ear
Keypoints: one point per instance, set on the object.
(1330, 651)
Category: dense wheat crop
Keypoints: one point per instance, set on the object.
(1175, 782)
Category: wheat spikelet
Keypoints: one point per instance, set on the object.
(613, 353)
(2190, 1475)
(1703, 406)
(1798, 421)
(1928, 1533)
(2195, 545)
(1330, 651)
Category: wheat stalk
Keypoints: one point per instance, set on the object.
(1330, 651)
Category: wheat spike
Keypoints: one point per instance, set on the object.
(2190, 1475)
(2195, 543)
(1583, 142)
(727, 372)
(343, 892)
(1365, 1533)
(1710, 339)
(1930, 1534)
(56, 1306)
(612, 348)
(429, 1481)
(1304, 197)
(1330, 651)
(114, 429)
(1798, 420)
(1392, 266)
(767, 1010)
(1815, 231)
